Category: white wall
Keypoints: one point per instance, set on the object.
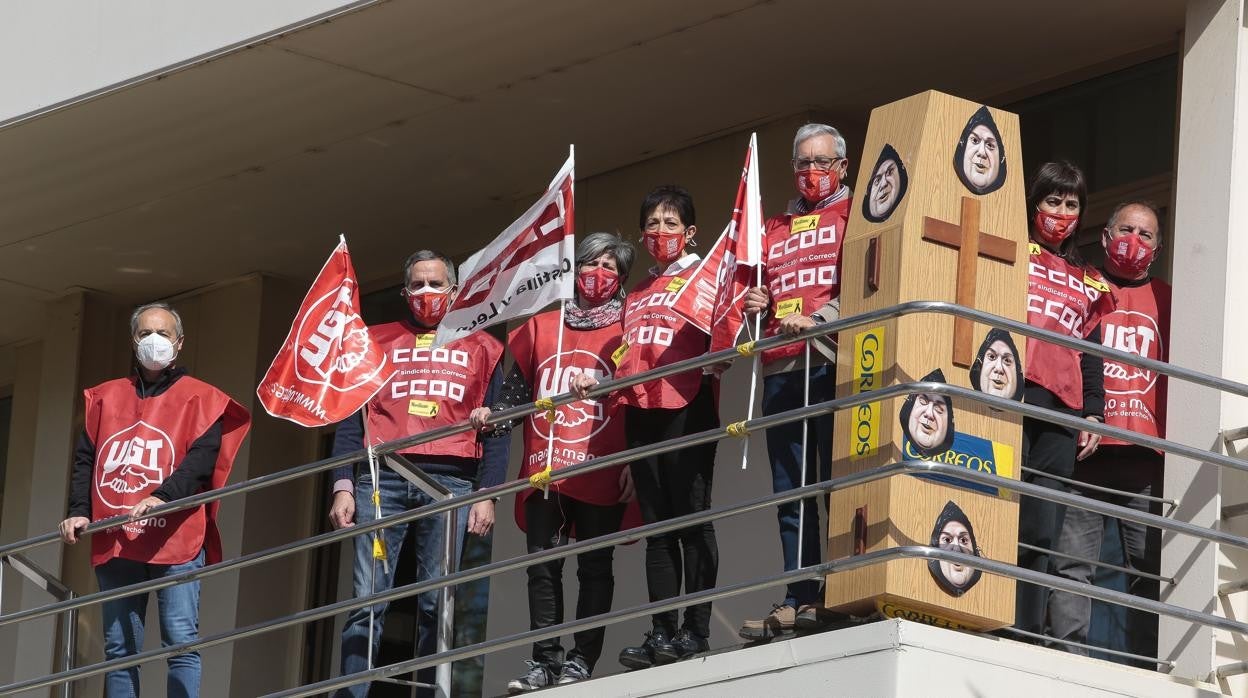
(56, 50)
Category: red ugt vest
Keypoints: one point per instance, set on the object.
(138, 443)
(801, 266)
(1067, 299)
(431, 387)
(582, 429)
(1135, 398)
(654, 335)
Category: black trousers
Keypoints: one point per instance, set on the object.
(551, 522)
(674, 484)
(1050, 449)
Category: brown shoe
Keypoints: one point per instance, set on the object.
(812, 617)
(778, 622)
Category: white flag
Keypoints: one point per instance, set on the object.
(523, 270)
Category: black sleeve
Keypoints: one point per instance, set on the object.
(349, 437)
(194, 473)
(495, 448)
(80, 478)
(1093, 369)
(515, 391)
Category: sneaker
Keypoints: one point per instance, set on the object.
(781, 620)
(573, 670)
(645, 655)
(683, 646)
(813, 617)
(538, 677)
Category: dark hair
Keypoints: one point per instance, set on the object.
(1061, 177)
(427, 256)
(670, 196)
(1142, 203)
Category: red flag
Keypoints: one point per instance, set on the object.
(329, 366)
(711, 299)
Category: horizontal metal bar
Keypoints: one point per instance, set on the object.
(832, 567)
(1234, 587)
(593, 464)
(1098, 563)
(1232, 511)
(697, 362)
(1229, 670)
(490, 569)
(38, 576)
(1098, 488)
(1236, 434)
(1071, 643)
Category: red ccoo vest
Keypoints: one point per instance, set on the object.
(1067, 299)
(802, 270)
(138, 443)
(431, 387)
(654, 335)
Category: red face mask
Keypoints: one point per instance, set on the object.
(1053, 228)
(815, 186)
(1127, 257)
(665, 247)
(429, 305)
(597, 285)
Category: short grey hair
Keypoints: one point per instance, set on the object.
(427, 256)
(595, 245)
(138, 312)
(1139, 203)
(809, 131)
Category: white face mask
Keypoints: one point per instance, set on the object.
(155, 352)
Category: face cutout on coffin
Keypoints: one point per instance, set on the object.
(887, 188)
(996, 369)
(953, 531)
(927, 419)
(979, 159)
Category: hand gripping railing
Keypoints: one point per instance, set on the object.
(689, 364)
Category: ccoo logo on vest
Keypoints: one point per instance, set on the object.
(580, 420)
(333, 344)
(134, 460)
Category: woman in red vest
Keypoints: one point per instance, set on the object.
(582, 507)
(677, 482)
(1065, 296)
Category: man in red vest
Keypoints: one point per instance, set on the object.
(149, 439)
(802, 288)
(1135, 399)
(432, 387)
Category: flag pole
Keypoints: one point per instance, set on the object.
(756, 364)
(801, 503)
(552, 415)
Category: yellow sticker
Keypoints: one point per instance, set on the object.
(868, 375)
(1095, 283)
(618, 355)
(422, 408)
(892, 610)
(788, 307)
(675, 284)
(1033, 248)
(424, 341)
(801, 224)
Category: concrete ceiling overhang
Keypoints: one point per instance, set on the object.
(412, 122)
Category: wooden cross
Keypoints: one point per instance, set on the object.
(971, 243)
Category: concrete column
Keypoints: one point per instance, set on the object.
(1208, 333)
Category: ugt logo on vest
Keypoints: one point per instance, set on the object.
(580, 420)
(134, 460)
(333, 342)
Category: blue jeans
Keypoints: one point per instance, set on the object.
(783, 391)
(124, 618)
(397, 495)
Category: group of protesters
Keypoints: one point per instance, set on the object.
(607, 331)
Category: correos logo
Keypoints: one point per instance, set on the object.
(133, 460)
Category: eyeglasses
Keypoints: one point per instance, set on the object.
(821, 164)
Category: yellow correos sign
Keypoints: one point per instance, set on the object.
(868, 375)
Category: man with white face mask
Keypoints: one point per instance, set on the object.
(1135, 399)
(432, 387)
(149, 439)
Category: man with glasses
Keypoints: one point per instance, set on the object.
(152, 438)
(801, 288)
(431, 387)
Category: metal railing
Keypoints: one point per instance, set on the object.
(450, 504)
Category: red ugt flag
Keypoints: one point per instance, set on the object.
(712, 297)
(328, 366)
